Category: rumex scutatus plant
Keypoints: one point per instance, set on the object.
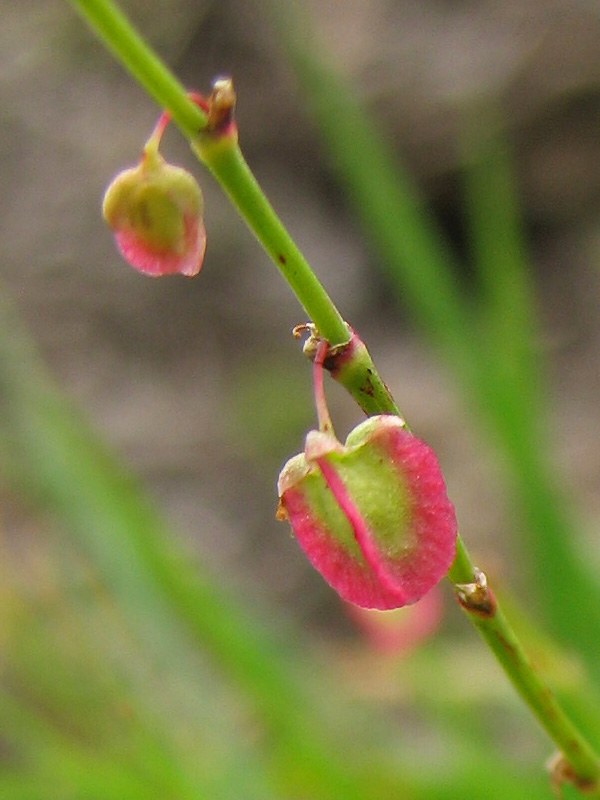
(372, 514)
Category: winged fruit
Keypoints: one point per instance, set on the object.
(372, 515)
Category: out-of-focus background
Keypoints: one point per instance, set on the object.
(198, 384)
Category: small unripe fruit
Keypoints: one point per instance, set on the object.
(155, 210)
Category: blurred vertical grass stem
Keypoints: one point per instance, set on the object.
(408, 239)
(488, 345)
(51, 455)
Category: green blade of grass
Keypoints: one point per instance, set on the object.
(422, 267)
(506, 303)
(52, 454)
(508, 321)
(412, 250)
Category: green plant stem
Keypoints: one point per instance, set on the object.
(360, 377)
(506, 647)
(229, 167)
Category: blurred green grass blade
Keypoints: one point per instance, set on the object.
(479, 716)
(506, 308)
(553, 557)
(57, 458)
(52, 454)
(411, 248)
(508, 323)
(69, 736)
(422, 267)
(571, 683)
(59, 765)
(60, 749)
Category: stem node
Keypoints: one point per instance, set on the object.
(476, 597)
(561, 772)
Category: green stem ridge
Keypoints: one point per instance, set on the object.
(225, 160)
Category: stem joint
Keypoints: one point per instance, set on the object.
(476, 597)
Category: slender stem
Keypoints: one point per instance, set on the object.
(524, 676)
(118, 34)
(226, 162)
(462, 569)
(479, 603)
(325, 423)
(154, 140)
